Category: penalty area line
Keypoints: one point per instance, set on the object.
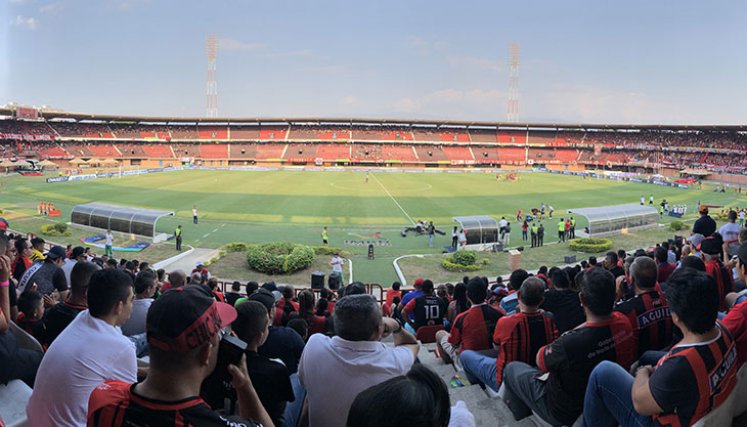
(393, 199)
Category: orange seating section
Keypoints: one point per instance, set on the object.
(214, 151)
(212, 132)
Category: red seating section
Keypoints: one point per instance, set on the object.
(273, 133)
(212, 132)
(458, 153)
(214, 151)
(244, 132)
(158, 151)
(331, 152)
(270, 151)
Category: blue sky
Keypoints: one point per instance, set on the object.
(674, 62)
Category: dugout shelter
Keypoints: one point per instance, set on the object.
(481, 231)
(604, 220)
(130, 220)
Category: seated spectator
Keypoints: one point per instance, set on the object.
(37, 247)
(352, 361)
(517, 337)
(60, 397)
(317, 324)
(22, 261)
(647, 310)
(710, 252)
(563, 301)
(459, 303)
(569, 360)
(472, 329)
(60, 315)
(234, 293)
(736, 319)
(177, 279)
(270, 377)
(15, 362)
(663, 265)
(47, 274)
(282, 343)
(212, 283)
(179, 362)
(145, 287)
(285, 306)
(509, 303)
(611, 263)
(418, 399)
(416, 292)
(391, 293)
(691, 380)
(31, 310)
(76, 254)
(300, 326)
(427, 309)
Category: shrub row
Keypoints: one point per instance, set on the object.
(279, 257)
(590, 245)
(56, 229)
(461, 261)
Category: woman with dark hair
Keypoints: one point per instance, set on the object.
(306, 307)
(459, 304)
(418, 399)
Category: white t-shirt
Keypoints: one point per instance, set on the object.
(334, 371)
(136, 323)
(109, 239)
(67, 268)
(730, 233)
(88, 352)
(337, 263)
(502, 223)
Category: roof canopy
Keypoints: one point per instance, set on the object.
(478, 229)
(118, 218)
(609, 219)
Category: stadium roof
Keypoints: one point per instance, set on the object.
(384, 122)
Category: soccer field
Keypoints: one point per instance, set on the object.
(258, 206)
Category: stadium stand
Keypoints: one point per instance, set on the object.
(332, 152)
(270, 151)
(273, 133)
(159, 151)
(212, 132)
(213, 151)
(430, 153)
(183, 131)
(483, 135)
(241, 133)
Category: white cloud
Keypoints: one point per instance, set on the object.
(477, 63)
(31, 23)
(227, 43)
(424, 46)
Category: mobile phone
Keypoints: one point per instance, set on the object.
(230, 351)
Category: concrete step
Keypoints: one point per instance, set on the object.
(493, 412)
(472, 393)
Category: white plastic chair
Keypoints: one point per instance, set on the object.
(13, 399)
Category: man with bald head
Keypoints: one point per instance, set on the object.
(647, 310)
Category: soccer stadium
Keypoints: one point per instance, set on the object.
(398, 267)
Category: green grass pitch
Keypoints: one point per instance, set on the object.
(258, 206)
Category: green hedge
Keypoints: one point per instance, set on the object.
(56, 229)
(327, 250)
(235, 247)
(591, 245)
(677, 225)
(461, 261)
(279, 257)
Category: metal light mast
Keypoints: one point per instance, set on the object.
(512, 112)
(211, 47)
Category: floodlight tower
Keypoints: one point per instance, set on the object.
(512, 112)
(211, 47)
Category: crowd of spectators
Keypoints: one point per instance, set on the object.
(630, 337)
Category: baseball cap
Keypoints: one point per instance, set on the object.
(185, 318)
(56, 252)
(710, 246)
(695, 239)
(265, 297)
(418, 282)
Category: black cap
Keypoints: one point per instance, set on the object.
(56, 252)
(711, 246)
(265, 297)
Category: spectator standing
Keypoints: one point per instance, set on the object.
(541, 235)
(665, 269)
(730, 233)
(454, 238)
(76, 254)
(611, 263)
(234, 294)
(337, 263)
(60, 396)
(109, 243)
(194, 214)
(704, 225)
(710, 252)
(352, 361)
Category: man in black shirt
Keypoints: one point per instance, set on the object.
(234, 294)
(47, 274)
(611, 263)
(282, 343)
(184, 332)
(269, 377)
(563, 302)
(705, 225)
(428, 309)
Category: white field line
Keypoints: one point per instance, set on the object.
(393, 199)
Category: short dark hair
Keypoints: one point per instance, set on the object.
(356, 317)
(612, 256)
(106, 289)
(517, 278)
(299, 325)
(692, 296)
(251, 287)
(644, 272)
(37, 241)
(396, 286)
(28, 301)
(560, 279)
(661, 254)
(477, 290)
(144, 280)
(418, 399)
(236, 286)
(692, 262)
(532, 291)
(598, 290)
(427, 286)
(80, 276)
(251, 320)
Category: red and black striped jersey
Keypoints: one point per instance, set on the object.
(520, 336)
(649, 315)
(114, 403)
(724, 282)
(571, 358)
(473, 329)
(692, 380)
